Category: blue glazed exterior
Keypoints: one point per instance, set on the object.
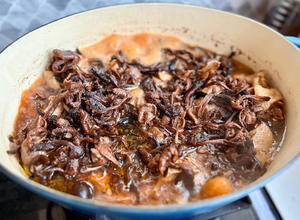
(294, 40)
(166, 212)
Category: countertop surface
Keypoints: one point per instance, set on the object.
(285, 192)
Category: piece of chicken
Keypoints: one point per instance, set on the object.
(261, 89)
(262, 137)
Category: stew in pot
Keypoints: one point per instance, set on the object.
(147, 119)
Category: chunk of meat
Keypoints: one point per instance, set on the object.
(164, 191)
(171, 174)
(147, 113)
(262, 137)
(196, 164)
(138, 97)
(261, 89)
(104, 148)
(186, 175)
(274, 94)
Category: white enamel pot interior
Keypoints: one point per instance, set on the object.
(260, 47)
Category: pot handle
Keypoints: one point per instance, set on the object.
(294, 40)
